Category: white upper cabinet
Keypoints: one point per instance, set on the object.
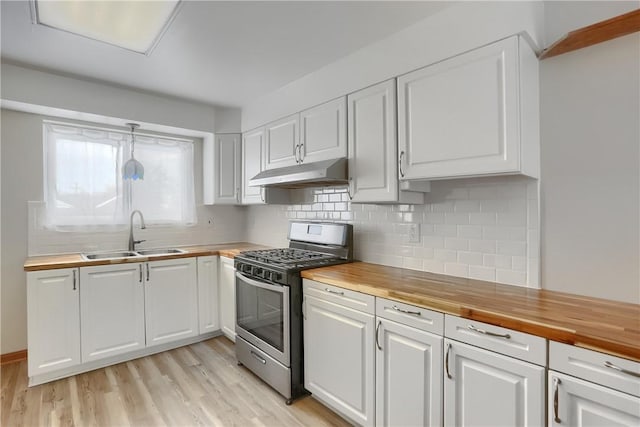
(373, 161)
(281, 142)
(323, 132)
(470, 115)
(221, 170)
(252, 164)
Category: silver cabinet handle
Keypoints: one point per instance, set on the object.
(556, 383)
(400, 164)
(300, 150)
(257, 357)
(140, 278)
(618, 368)
(377, 334)
(492, 334)
(415, 313)
(334, 292)
(147, 264)
(446, 362)
(295, 153)
(262, 190)
(74, 280)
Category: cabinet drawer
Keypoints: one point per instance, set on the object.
(421, 318)
(345, 297)
(596, 367)
(494, 338)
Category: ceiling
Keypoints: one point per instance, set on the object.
(219, 53)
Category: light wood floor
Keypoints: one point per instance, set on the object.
(197, 385)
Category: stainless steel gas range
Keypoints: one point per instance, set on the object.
(269, 301)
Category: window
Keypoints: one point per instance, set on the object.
(83, 178)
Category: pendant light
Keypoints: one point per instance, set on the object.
(133, 169)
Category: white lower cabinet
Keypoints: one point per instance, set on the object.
(587, 388)
(227, 284)
(53, 320)
(208, 299)
(171, 300)
(339, 365)
(112, 307)
(494, 377)
(483, 388)
(408, 365)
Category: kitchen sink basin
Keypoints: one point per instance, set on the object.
(111, 255)
(151, 252)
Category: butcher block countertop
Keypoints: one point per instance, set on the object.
(51, 262)
(607, 326)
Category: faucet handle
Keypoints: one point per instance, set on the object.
(135, 242)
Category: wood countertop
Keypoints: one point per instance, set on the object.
(50, 262)
(602, 325)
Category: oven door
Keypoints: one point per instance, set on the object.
(262, 316)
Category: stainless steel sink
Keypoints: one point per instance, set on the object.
(151, 252)
(111, 255)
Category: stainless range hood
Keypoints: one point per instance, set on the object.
(326, 172)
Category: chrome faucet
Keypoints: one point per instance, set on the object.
(133, 243)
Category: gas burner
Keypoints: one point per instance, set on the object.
(288, 256)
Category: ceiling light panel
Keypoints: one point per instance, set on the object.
(133, 25)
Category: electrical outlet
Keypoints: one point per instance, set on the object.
(414, 233)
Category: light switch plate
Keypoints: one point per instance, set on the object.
(414, 233)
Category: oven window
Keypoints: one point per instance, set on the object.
(260, 312)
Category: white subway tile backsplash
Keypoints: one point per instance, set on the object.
(507, 247)
(456, 243)
(470, 231)
(482, 218)
(511, 277)
(482, 273)
(445, 255)
(456, 218)
(454, 269)
(469, 227)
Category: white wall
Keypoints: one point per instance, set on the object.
(456, 29)
(26, 85)
(590, 130)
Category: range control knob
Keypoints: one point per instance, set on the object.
(257, 272)
(276, 277)
(267, 275)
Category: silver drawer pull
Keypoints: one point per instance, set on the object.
(263, 361)
(619, 369)
(415, 313)
(492, 334)
(334, 292)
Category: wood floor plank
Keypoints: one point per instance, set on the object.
(197, 385)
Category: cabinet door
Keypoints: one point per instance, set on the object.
(171, 300)
(323, 132)
(482, 388)
(461, 116)
(111, 310)
(339, 358)
(574, 402)
(281, 142)
(227, 176)
(408, 376)
(252, 164)
(228, 298)
(373, 171)
(53, 314)
(208, 316)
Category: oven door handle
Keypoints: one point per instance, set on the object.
(253, 282)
